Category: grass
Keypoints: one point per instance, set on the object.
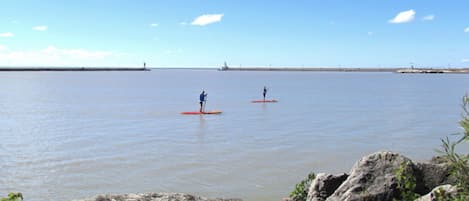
(300, 193)
(13, 197)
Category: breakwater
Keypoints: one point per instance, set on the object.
(71, 69)
(433, 70)
(324, 69)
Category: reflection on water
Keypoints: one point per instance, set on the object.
(264, 107)
(202, 130)
(68, 135)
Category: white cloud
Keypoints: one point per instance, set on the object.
(464, 60)
(7, 34)
(207, 19)
(154, 25)
(466, 30)
(428, 18)
(403, 17)
(370, 33)
(3, 48)
(40, 28)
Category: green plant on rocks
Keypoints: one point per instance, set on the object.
(13, 197)
(459, 164)
(441, 195)
(301, 189)
(406, 182)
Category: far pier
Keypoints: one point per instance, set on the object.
(73, 69)
(326, 69)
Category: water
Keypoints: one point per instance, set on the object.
(69, 135)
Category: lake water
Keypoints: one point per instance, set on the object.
(70, 135)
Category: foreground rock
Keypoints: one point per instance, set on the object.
(373, 178)
(445, 191)
(154, 197)
(434, 173)
(324, 185)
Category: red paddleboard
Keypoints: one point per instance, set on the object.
(207, 112)
(264, 101)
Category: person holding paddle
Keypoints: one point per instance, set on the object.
(202, 98)
(265, 92)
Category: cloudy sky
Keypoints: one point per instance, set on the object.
(184, 33)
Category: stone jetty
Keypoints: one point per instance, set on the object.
(72, 69)
(332, 69)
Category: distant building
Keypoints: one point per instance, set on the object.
(224, 67)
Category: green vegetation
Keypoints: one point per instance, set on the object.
(441, 195)
(406, 182)
(301, 189)
(459, 164)
(13, 197)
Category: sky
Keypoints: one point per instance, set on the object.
(206, 33)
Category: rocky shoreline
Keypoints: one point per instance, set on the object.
(154, 197)
(372, 178)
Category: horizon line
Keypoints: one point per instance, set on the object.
(237, 67)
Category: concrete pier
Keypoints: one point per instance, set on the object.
(318, 69)
(432, 70)
(71, 69)
(324, 69)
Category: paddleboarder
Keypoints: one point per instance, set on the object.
(202, 99)
(265, 92)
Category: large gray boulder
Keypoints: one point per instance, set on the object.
(324, 185)
(373, 178)
(154, 197)
(431, 174)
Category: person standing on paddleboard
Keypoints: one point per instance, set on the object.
(265, 92)
(202, 98)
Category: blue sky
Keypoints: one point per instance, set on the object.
(184, 33)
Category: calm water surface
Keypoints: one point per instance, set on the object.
(69, 135)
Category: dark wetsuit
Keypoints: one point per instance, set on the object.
(202, 99)
(265, 92)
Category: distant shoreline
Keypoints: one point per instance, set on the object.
(392, 70)
(319, 69)
(71, 69)
(327, 69)
(306, 69)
